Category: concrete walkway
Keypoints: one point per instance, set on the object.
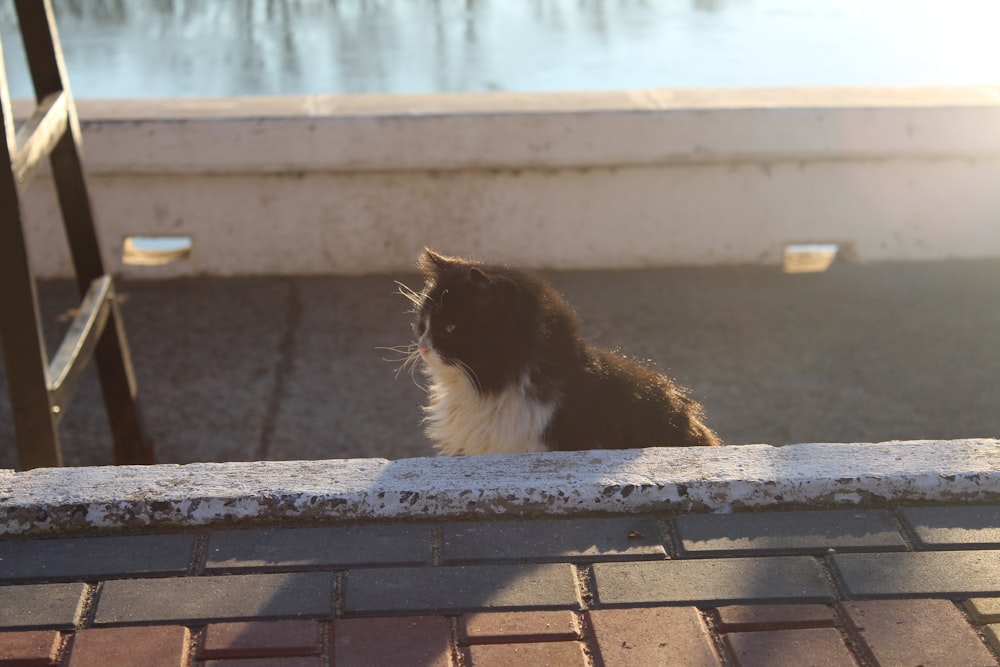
(288, 368)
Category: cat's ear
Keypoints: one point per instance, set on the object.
(431, 263)
(492, 289)
(478, 278)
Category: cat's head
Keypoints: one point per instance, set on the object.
(479, 319)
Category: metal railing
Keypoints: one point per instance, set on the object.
(39, 388)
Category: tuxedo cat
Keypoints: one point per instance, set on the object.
(509, 371)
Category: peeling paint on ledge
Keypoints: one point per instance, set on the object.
(720, 479)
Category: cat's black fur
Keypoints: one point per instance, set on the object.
(504, 324)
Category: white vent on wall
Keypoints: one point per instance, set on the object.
(155, 250)
(809, 257)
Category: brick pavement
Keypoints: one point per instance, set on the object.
(865, 587)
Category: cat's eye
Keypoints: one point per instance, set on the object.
(449, 328)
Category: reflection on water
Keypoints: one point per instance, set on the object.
(118, 48)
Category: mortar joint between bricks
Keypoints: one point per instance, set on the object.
(977, 627)
(199, 559)
(909, 537)
(90, 599)
(62, 654)
(453, 644)
(195, 633)
(588, 639)
(671, 540)
(339, 577)
(828, 572)
(853, 641)
(710, 617)
(326, 636)
(437, 544)
(990, 646)
(584, 585)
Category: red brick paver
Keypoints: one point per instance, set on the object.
(817, 647)
(916, 632)
(984, 610)
(260, 639)
(550, 654)
(309, 661)
(743, 618)
(739, 611)
(992, 635)
(412, 640)
(655, 636)
(29, 648)
(518, 627)
(149, 646)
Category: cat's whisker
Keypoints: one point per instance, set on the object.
(411, 295)
(404, 353)
(469, 373)
(410, 362)
(409, 355)
(405, 350)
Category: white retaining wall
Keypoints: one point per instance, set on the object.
(358, 184)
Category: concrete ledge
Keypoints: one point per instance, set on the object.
(392, 133)
(360, 184)
(561, 483)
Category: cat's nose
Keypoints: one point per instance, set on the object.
(424, 345)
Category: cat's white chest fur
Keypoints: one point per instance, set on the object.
(460, 420)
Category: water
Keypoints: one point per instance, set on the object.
(170, 48)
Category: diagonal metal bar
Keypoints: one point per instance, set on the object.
(48, 74)
(38, 137)
(70, 360)
(20, 326)
(5, 108)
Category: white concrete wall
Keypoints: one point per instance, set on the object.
(358, 184)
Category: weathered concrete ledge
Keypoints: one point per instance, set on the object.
(489, 131)
(561, 483)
